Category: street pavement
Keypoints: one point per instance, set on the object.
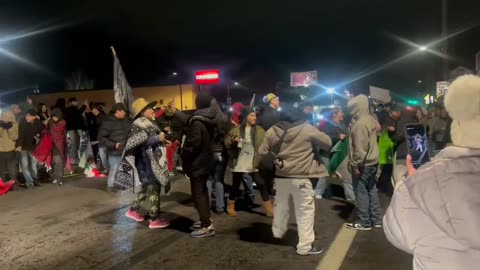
(82, 226)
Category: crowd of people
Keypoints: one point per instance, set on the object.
(282, 150)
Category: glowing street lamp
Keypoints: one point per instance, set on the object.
(174, 73)
(331, 91)
(423, 48)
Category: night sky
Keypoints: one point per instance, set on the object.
(255, 42)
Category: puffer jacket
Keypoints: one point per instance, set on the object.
(8, 131)
(435, 213)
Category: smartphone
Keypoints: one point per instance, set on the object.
(416, 136)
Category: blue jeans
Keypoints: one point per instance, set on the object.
(368, 204)
(248, 186)
(102, 152)
(114, 162)
(217, 178)
(28, 164)
(323, 185)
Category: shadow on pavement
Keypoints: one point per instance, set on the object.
(262, 233)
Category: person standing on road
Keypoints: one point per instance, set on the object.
(75, 126)
(94, 115)
(397, 135)
(29, 132)
(242, 144)
(145, 155)
(363, 164)
(338, 132)
(434, 213)
(198, 158)
(8, 137)
(52, 148)
(297, 163)
(113, 136)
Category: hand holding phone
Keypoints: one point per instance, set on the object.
(416, 137)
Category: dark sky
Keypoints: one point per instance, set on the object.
(258, 42)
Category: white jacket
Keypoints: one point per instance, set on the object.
(435, 214)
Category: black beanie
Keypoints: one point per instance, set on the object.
(244, 113)
(203, 101)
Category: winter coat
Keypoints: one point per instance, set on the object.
(113, 131)
(333, 130)
(435, 215)
(398, 136)
(257, 135)
(74, 118)
(268, 118)
(197, 152)
(27, 133)
(363, 135)
(8, 131)
(299, 150)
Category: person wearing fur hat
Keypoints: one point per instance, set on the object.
(145, 155)
(198, 155)
(434, 213)
(242, 144)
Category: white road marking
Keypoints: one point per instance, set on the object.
(337, 251)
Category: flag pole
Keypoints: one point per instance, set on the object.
(113, 51)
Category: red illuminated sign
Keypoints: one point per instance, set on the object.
(207, 77)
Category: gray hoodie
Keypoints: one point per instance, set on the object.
(363, 134)
(299, 149)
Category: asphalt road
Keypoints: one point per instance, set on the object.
(82, 226)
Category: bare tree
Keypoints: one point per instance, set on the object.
(79, 81)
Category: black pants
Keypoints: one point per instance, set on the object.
(237, 180)
(200, 198)
(8, 166)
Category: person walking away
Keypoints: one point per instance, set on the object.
(8, 137)
(75, 126)
(198, 159)
(113, 136)
(145, 154)
(434, 214)
(29, 131)
(397, 135)
(338, 133)
(242, 144)
(52, 148)
(297, 164)
(363, 164)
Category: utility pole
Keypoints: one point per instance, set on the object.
(445, 39)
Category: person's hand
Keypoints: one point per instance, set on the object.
(410, 168)
(161, 136)
(18, 149)
(86, 102)
(343, 137)
(117, 146)
(391, 129)
(166, 129)
(357, 173)
(238, 139)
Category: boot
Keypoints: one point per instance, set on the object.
(268, 205)
(231, 208)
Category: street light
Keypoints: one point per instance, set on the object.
(423, 48)
(229, 99)
(235, 83)
(181, 90)
(331, 91)
(420, 81)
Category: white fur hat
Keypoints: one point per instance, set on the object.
(462, 102)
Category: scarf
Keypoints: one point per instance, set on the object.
(55, 136)
(126, 175)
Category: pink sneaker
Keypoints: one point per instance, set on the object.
(158, 224)
(134, 215)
